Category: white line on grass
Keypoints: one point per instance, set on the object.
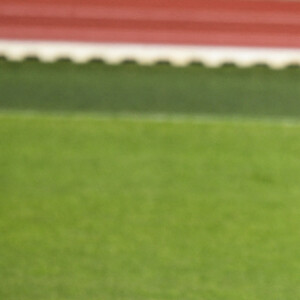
(153, 118)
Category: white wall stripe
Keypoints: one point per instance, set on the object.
(79, 52)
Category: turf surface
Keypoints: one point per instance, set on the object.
(96, 87)
(116, 209)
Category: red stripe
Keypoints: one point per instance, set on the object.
(215, 22)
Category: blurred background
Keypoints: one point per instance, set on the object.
(116, 41)
(149, 149)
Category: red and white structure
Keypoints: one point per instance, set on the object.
(214, 32)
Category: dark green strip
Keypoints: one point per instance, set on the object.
(97, 87)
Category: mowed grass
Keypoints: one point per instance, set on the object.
(96, 87)
(119, 209)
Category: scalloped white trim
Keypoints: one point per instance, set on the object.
(80, 52)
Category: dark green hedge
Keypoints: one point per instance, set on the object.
(129, 88)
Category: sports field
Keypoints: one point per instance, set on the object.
(106, 206)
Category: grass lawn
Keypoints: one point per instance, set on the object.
(97, 87)
(116, 209)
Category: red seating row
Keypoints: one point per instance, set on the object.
(265, 23)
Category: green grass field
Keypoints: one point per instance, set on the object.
(138, 208)
(112, 209)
